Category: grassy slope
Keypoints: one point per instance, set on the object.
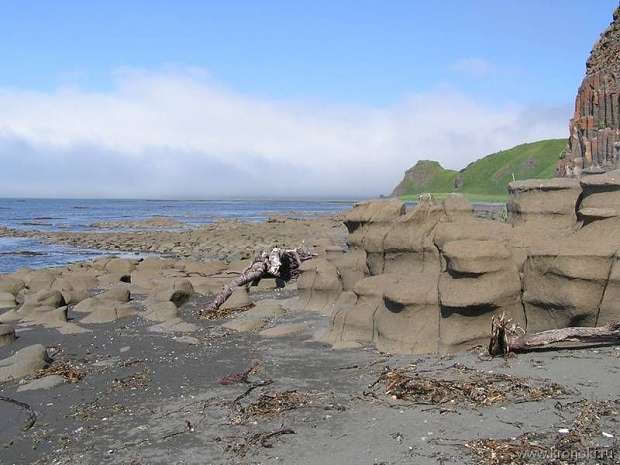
(487, 178)
(436, 178)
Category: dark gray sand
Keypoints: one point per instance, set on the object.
(147, 398)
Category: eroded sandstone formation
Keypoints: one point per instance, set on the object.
(594, 142)
(430, 279)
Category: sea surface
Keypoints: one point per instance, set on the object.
(82, 214)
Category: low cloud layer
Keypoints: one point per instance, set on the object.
(181, 135)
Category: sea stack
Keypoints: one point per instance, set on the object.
(594, 142)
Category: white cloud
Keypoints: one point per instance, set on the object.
(180, 134)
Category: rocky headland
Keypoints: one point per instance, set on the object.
(594, 143)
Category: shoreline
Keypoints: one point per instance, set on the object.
(222, 240)
(142, 380)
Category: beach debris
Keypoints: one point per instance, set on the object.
(238, 377)
(577, 444)
(282, 264)
(506, 451)
(32, 417)
(466, 386)
(270, 404)
(507, 336)
(264, 439)
(138, 380)
(65, 368)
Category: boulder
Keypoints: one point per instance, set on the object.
(115, 294)
(11, 285)
(106, 312)
(240, 298)
(121, 266)
(46, 382)
(7, 301)
(145, 278)
(160, 311)
(178, 292)
(45, 297)
(47, 316)
(24, 362)
(40, 279)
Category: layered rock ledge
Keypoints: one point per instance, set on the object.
(430, 279)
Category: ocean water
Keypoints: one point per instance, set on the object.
(81, 215)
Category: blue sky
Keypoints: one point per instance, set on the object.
(317, 70)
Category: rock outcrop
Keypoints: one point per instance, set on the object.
(419, 177)
(430, 279)
(594, 143)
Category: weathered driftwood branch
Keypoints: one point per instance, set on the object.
(507, 337)
(282, 264)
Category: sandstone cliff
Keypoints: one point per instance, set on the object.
(594, 143)
(430, 279)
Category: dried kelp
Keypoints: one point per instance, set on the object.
(469, 387)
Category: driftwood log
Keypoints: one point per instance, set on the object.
(507, 337)
(281, 264)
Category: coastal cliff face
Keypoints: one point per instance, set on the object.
(594, 143)
(431, 278)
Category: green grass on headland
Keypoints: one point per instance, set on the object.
(474, 198)
(485, 180)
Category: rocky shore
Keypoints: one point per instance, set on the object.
(223, 240)
(107, 361)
